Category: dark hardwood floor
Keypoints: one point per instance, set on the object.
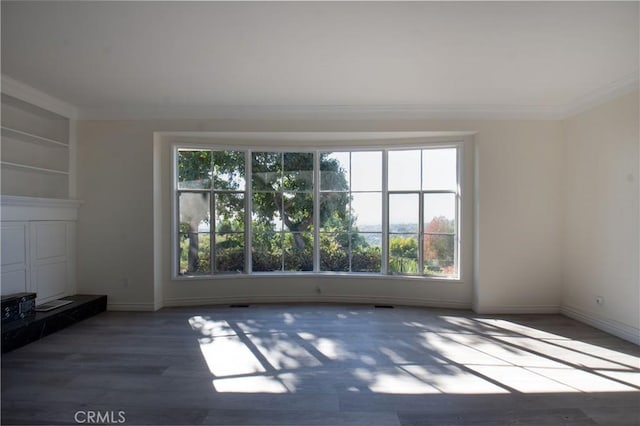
(323, 365)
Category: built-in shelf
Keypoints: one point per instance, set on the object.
(37, 175)
(29, 137)
(37, 169)
(36, 150)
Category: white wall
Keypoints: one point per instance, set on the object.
(601, 217)
(519, 167)
(518, 212)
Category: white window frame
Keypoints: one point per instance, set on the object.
(424, 143)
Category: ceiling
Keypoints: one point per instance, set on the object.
(176, 58)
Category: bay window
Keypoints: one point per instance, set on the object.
(349, 211)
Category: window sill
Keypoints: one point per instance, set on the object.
(258, 275)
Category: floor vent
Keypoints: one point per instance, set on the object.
(238, 306)
(383, 306)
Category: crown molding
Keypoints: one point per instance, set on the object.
(326, 112)
(611, 91)
(37, 97)
(601, 95)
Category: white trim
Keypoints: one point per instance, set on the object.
(624, 331)
(326, 112)
(321, 140)
(287, 298)
(34, 168)
(598, 96)
(604, 94)
(135, 307)
(14, 208)
(14, 200)
(517, 309)
(33, 137)
(36, 97)
(184, 279)
(73, 159)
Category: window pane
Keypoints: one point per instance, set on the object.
(194, 240)
(366, 208)
(439, 255)
(266, 170)
(194, 253)
(267, 212)
(366, 171)
(334, 252)
(404, 170)
(266, 251)
(228, 170)
(440, 213)
(298, 171)
(229, 212)
(194, 211)
(403, 253)
(439, 169)
(194, 169)
(334, 171)
(229, 253)
(297, 211)
(334, 211)
(366, 252)
(403, 213)
(298, 251)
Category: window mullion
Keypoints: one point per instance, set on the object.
(420, 270)
(420, 233)
(212, 231)
(248, 210)
(176, 245)
(457, 242)
(316, 211)
(350, 214)
(282, 230)
(384, 261)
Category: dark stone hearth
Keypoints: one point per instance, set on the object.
(19, 333)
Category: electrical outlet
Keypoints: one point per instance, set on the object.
(599, 300)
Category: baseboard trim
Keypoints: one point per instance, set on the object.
(226, 300)
(624, 331)
(141, 307)
(518, 309)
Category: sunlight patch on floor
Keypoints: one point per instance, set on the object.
(228, 356)
(457, 352)
(499, 357)
(211, 328)
(520, 329)
(521, 379)
(282, 353)
(252, 384)
(394, 382)
(582, 380)
(629, 377)
(453, 380)
(513, 354)
(327, 347)
(567, 356)
(595, 350)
